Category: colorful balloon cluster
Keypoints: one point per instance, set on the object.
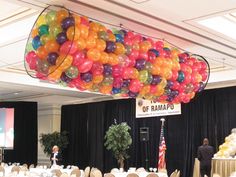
(228, 148)
(70, 49)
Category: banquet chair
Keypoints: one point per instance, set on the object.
(64, 175)
(75, 172)
(56, 172)
(109, 175)
(87, 171)
(132, 175)
(2, 170)
(15, 169)
(95, 173)
(216, 175)
(31, 166)
(174, 173)
(25, 165)
(178, 174)
(152, 175)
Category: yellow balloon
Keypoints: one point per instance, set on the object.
(41, 20)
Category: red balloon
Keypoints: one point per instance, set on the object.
(159, 45)
(176, 85)
(153, 89)
(134, 54)
(129, 35)
(187, 78)
(196, 67)
(97, 68)
(175, 75)
(204, 75)
(128, 41)
(203, 65)
(68, 47)
(77, 56)
(135, 86)
(85, 65)
(143, 55)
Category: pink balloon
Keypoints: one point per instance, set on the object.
(77, 56)
(85, 65)
(117, 83)
(129, 35)
(134, 54)
(143, 55)
(176, 85)
(175, 75)
(68, 47)
(135, 86)
(153, 89)
(187, 78)
(128, 41)
(159, 45)
(204, 75)
(117, 70)
(31, 58)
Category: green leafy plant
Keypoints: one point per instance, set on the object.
(48, 140)
(118, 140)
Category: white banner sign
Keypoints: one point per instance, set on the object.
(147, 108)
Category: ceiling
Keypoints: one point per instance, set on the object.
(175, 22)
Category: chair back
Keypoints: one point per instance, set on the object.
(87, 171)
(2, 170)
(64, 175)
(25, 165)
(216, 175)
(152, 175)
(173, 174)
(76, 172)
(132, 175)
(56, 172)
(178, 174)
(141, 169)
(115, 170)
(31, 166)
(15, 169)
(95, 173)
(109, 175)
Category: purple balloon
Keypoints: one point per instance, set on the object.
(126, 83)
(110, 46)
(107, 69)
(87, 77)
(169, 84)
(61, 38)
(156, 79)
(65, 78)
(52, 58)
(132, 94)
(140, 64)
(67, 22)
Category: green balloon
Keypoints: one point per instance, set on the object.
(103, 35)
(143, 76)
(29, 47)
(55, 29)
(43, 29)
(72, 72)
(107, 80)
(50, 17)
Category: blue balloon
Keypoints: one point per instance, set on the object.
(156, 79)
(61, 38)
(181, 77)
(107, 69)
(119, 38)
(156, 52)
(116, 90)
(36, 42)
(87, 77)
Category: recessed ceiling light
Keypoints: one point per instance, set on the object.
(16, 93)
(221, 24)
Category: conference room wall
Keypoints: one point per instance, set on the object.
(49, 120)
(25, 132)
(211, 114)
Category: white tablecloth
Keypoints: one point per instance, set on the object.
(140, 174)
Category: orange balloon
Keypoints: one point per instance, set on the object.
(159, 90)
(61, 14)
(84, 31)
(106, 89)
(100, 44)
(77, 19)
(175, 66)
(145, 46)
(166, 72)
(90, 42)
(145, 90)
(52, 46)
(64, 61)
(34, 32)
(54, 73)
(93, 34)
(98, 79)
(111, 37)
(81, 44)
(88, 85)
(104, 58)
(167, 62)
(93, 54)
(113, 59)
(94, 26)
(120, 49)
(73, 33)
(102, 28)
(156, 70)
(158, 61)
(135, 46)
(42, 52)
(135, 74)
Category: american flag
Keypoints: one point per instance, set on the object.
(162, 149)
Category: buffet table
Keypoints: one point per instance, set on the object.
(223, 167)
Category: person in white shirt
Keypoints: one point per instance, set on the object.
(56, 158)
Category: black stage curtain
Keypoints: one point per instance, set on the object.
(25, 132)
(211, 114)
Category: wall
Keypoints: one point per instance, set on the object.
(49, 120)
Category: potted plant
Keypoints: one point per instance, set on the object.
(118, 140)
(48, 140)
